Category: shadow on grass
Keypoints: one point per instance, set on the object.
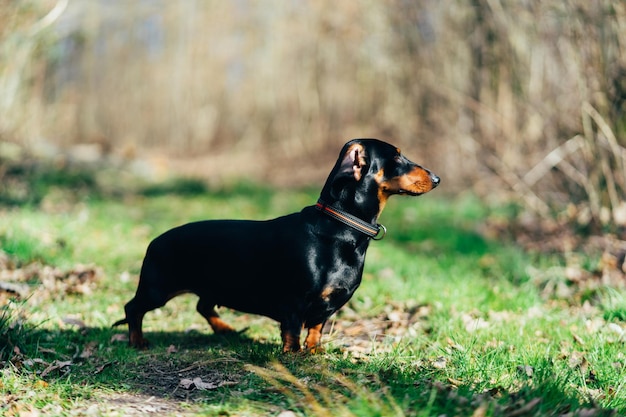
(236, 372)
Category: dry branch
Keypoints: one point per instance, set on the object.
(555, 157)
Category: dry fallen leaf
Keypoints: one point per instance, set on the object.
(440, 363)
(102, 367)
(50, 282)
(32, 362)
(119, 337)
(481, 411)
(455, 382)
(578, 340)
(72, 321)
(526, 370)
(22, 410)
(577, 360)
(88, 350)
(186, 383)
(56, 365)
(40, 384)
(287, 413)
(197, 383)
(525, 409)
(473, 324)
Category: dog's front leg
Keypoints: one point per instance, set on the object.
(290, 333)
(312, 343)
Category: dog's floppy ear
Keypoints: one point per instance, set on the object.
(350, 168)
(353, 162)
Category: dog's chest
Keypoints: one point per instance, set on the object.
(337, 287)
(336, 295)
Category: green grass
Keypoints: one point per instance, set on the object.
(446, 321)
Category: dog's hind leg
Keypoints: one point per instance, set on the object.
(207, 310)
(149, 295)
(134, 318)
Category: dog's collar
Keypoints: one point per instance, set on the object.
(375, 231)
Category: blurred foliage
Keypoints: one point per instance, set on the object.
(177, 186)
(31, 182)
(518, 100)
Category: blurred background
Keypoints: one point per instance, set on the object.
(514, 100)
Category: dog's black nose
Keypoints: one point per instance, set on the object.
(435, 180)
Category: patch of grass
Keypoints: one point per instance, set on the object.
(176, 186)
(615, 314)
(614, 305)
(446, 322)
(12, 331)
(29, 182)
(34, 247)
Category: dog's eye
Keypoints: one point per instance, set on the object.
(398, 158)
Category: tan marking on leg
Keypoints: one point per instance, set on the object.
(312, 342)
(135, 320)
(291, 342)
(218, 325)
(136, 340)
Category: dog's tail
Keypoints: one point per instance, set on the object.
(123, 321)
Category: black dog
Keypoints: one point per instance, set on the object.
(297, 269)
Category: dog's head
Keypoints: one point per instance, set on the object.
(370, 168)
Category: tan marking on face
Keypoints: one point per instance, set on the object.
(382, 195)
(326, 293)
(417, 181)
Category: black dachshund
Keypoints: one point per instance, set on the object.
(297, 269)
